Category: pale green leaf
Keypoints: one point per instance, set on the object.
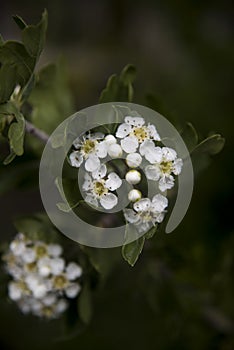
(85, 304)
(131, 251)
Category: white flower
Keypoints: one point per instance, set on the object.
(134, 195)
(73, 271)
(29, 255)
(134, 131)
(164, 164)
(57, 266)
(98, 188)
(44, 266)
(133, 177)
(55, 250)
(133, 160)
(89, 149)
(72, 290)
(15, 291)
(17, 246)
(146, 212)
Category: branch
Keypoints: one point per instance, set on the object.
(33, 130)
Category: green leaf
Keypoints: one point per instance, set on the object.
(85, 304)
(190, 136)
(16, 135)
(69, 192)
(19, 21)
(211, 145)
(119, 88)
(9, 158)
(151, 232)
(131, 251)
(33, 36)
(1, 40)
(13, 56)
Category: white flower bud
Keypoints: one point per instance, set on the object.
(115, 151)
(133, 160)
(133, 177)
(110, 140)
(134, 195)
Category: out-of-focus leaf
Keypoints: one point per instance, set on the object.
(190, 136)
(119, 87)
(131, 251)
(19, 21)
(8, 77)
(9, 158)
(151, 232)
(1, 40)
(51, 99)
(69, 192)
(16, 134)
(33, 36)
(211, 145)
(85, 304)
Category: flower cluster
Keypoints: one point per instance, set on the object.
(140, 145)
(41, 281)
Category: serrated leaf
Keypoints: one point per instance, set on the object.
(131, 251)
(33, 36)
(19, 21)
(211, 145)
(85, 304)
(119, 87)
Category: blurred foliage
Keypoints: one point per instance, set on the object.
(179, 294)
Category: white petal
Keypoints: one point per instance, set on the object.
(169, 154)
(44, 267)
(91, 200)
(143, 227)
(40, 291)
(49, 299)
(166, 183)
(14, 291)
(55, 250)
(177, 166)
(76, 159)
(29, 255)
(88, 183)
(129, 144)
(115, 151)
(154, 155)
(109, 200)
(123, 130)
(73, 271)
(77, 142)
(133, 177)
(57, 266)
(101, 149)
(110, 140)
(158, 217)
(159, 203)
(131, 216)
(72, 290)
(153, 172)
(146, 146)
(92, 163)
(61, 306)
(153, 132)
(134, 121)
(100, 172)
(113, 182)
(17, 247)
(133, 160)
(142, 205)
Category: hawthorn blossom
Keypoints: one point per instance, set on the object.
(89, 149)
(164, 164)
(41, 280)
(146, 212)
(99, 186)
(134, 131)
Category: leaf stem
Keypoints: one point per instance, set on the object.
(38, 133)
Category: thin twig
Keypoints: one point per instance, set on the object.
(33, 130)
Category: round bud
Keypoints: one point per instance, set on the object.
(115, 151)
(134, 195)
(133, 177)
(110, 139)
(133, 160)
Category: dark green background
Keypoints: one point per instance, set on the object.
(180, 293)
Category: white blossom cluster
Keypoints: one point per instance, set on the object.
(140, 145)
(41, 281)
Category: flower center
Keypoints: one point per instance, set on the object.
(99, 188)
(166, 167)
(146, 216)
(41, 251)
(140, 133)
(60, 281)
(88, 146)
(47, 311)
(31, 266)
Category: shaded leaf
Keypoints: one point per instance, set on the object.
(211, 145)
(190, 136)
(151, 232)
(16, 135)
(9, 158)
(131, 251)
(85, 304)
(19, 21)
